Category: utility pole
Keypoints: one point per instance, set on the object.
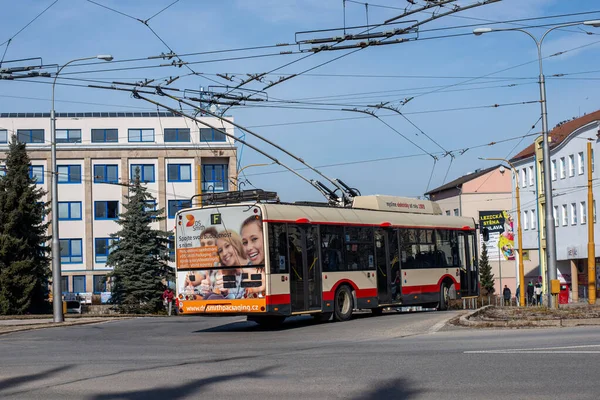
(591, 245)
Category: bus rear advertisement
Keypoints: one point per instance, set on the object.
(220, 260)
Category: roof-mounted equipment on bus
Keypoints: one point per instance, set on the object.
(256, 195)
(333, 198)
(352, 192)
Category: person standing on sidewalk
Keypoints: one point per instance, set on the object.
(530, 293)
(538, 293)
(168, 299)
(507, 294)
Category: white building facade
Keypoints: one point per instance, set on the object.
(97, 156)
(569, 174)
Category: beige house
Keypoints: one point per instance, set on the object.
(489, 191)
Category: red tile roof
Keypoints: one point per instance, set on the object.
(560, 133)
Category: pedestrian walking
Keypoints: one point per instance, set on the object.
(168, 300)
(507, 294)
(530, 291)
(538, 293)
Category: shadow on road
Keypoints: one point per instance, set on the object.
(18, 380)
(397, 388)
(194, 387)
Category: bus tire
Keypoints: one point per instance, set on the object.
(343, 304)
(322, 317)
(444, 296)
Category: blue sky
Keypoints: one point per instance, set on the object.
(329, 136)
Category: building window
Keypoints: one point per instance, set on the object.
(456, 212)
(524, 177)
(102, 246)
(36, 172)
(531, 176)
(555, 215)
(30, 135)
(140, 135)
(564, 216)
(2, 170)
(3, 136)
(79, 284)
(179, 172)
(583, 213)
(69, 210)
(533, 221)
(573, 214)
(64, 284)
(214, 178)
(580, 161)
(105, 135)
(176, 205)
(553, 169)
(562, 168)
(71, 251)
(99, 284)
(146, 172)
(106, 209)
(447, 212)
(149, 205)
(177, 135)
(211, 135)
(525, 220)
(571, 165)
(69, 173)
(106, 173)
(68, 136)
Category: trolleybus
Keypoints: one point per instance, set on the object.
(246, 253)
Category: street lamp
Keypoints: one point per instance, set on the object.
(56, 270)
(237, 177)
(519, 231)
(550, 229)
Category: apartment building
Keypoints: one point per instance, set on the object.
(568, 152)
(97, 156)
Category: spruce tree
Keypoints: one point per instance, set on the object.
(486, 277)
(24, 247)
(139, 256)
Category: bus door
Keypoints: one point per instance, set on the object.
(305, 268)
(468, 264)
(384, 283)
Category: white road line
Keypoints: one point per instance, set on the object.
(542, 350)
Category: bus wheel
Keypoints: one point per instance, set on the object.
(322, 317)
(444, 296)
(343, 306)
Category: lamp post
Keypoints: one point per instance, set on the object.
(519, 231)
(56, 270)
(548, 209)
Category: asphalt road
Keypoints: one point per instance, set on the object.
(398, 356)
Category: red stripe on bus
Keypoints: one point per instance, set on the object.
(416, 289)
(278, 299)
(360, 293)
(282, 221)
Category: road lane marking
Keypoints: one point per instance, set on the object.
(543, 350)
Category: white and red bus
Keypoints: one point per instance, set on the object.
(249, 254)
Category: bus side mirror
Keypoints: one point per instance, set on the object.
(486, 234)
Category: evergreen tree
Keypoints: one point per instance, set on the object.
(486, 277)
(140, 254)
(24, 248)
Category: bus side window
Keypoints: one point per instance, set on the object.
(332, 239)
(278, 257)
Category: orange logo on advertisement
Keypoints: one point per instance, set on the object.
(190, 220)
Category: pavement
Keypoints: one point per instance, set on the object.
(473, 319)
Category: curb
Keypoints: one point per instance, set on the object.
(465, 320)
(21, 328)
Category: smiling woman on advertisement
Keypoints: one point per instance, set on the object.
(252, 240)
